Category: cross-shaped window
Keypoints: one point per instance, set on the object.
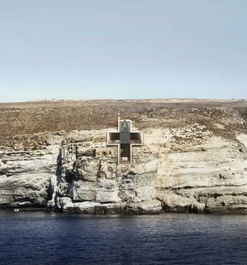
(124, 138)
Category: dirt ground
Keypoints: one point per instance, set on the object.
(31, 122)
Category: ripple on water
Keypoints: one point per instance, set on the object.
(49, 238)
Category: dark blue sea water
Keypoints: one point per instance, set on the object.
(49, 238)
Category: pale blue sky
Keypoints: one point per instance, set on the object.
(80, 49)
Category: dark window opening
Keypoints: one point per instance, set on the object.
(125, 153)
(135, 138)
(114, 137)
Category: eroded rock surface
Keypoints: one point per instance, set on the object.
(169, 172)
(26, 176)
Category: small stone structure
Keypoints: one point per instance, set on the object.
(124, 138)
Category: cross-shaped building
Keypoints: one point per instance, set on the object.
(124, 138)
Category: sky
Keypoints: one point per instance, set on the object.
(93, 49)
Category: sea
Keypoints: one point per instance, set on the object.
(54, 238)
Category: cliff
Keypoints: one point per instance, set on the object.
(194, 159)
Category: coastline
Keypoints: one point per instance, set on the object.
(193, 159)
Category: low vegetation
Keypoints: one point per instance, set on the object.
(31, 122)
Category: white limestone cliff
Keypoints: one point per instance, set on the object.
(184, 169)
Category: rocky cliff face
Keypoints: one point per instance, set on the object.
(185, 165)
(26, 176)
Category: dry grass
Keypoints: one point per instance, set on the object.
(33, 120)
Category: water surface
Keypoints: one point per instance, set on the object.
(51, 238)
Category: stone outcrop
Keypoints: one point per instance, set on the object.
(26, 176)
(91, 180)
(172, 172)
(189, 167)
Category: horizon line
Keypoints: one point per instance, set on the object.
(120, 99)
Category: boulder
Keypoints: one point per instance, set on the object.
(146, 207)
(65, 204)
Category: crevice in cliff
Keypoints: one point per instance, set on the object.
(198, 187)
(54, 180)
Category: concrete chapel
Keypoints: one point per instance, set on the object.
(124, 139)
